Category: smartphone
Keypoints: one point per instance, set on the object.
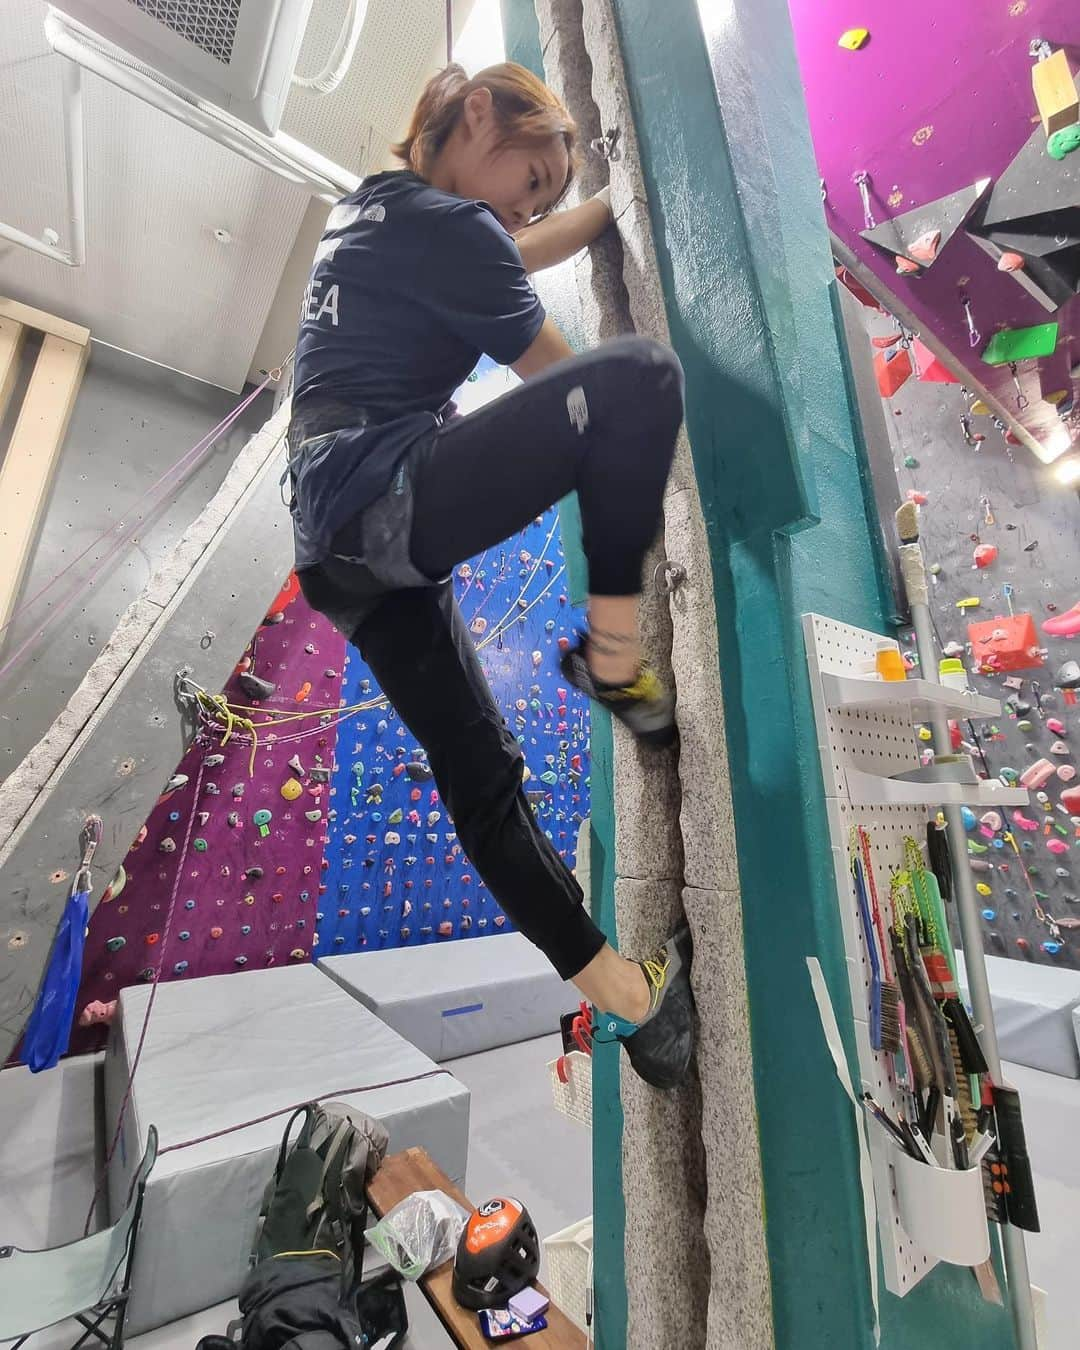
(500, 1323)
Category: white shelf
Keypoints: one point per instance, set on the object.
(853, 691)
(873, 789)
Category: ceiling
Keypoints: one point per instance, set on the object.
(156, 281)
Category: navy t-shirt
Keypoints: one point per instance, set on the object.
(410, 286)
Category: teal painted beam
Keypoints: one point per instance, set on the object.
(744, 262)
(521, 39)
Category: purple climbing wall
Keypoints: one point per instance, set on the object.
(939, 97)
(246, 888)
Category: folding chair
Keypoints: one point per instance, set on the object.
(88, 1280)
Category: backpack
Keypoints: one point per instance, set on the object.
(304, 1290)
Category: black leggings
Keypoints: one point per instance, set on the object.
(604, 423)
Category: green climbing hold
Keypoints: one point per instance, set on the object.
(261, 817)
(910, 462)
(116, 943)
(1063, 141)
(550, 777)
(395, 817)
(1009, 777)
(1023, 725)
(199, 845)
(973, 847)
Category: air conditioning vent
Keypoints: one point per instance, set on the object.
(209, 25)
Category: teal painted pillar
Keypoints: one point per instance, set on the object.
(745, 266)
(521, 39)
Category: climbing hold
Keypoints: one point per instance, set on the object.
(1035, 776)
(1066, 772)
(262, 819)
(391, 837)
(969, 602)
(967, 815)
(1055, 845)
(216, 932)
(1010, 777)
(212, 761)
(973, 847)
(906, 267)
(925, 734)
(1063, 625)
(238, 790)
(910, 462)
(241, 960)
(1056, 726)
(919, 498)
(1059, 748)
(301, 694)
(211, 789)
(176, 781)
(1062, 872)
(1025, 822)
(446, 929)
(116, 944)
(296, 764)
(853, 39)
(200, 845)
(1063, 141)
(233, 819)
(291, 789)
(985, 554)
(395, 817)
(180, 967)
(992, 820)
(255, 687)
(924, 250)
(167, 845)
(1010, 262)
(953, 649)
(1023, 725)
(989, 915)
(983, 888)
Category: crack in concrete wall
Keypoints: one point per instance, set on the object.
(696, 1262)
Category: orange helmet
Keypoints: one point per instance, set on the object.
(498, 1255)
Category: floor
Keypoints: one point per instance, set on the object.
(519, 1145)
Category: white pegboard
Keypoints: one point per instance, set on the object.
(880, 741)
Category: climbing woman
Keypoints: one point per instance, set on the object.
(420, 271)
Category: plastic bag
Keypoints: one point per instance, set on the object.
(419, 1233)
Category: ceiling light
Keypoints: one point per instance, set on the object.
(1068, 471)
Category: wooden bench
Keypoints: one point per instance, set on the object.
(402, 1174)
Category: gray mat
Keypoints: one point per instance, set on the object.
(459, 998)
(234, 1048)
(1033, 1013)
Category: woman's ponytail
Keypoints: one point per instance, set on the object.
(433, 118)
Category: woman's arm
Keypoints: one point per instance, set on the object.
(563, 233)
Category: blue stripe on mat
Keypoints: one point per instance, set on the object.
(456, 1012)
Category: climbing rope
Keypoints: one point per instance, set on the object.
(150, 1002)
(128, 524)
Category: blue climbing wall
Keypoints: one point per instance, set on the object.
(395, 873)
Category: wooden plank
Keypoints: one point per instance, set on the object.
(1055, 92)
(44, 323)
(32, 456)
(11, 340)
(414, 1170)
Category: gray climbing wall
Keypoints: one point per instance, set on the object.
(121, 734)
(690, 1159)
(1036, 529)
(132, 421)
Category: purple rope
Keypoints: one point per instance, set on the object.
(179, 468)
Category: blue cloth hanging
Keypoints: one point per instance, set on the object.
(49, 1028)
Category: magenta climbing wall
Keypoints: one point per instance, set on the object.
(244, 894)
(939, 97)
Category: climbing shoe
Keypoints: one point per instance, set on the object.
(661, 1045)
(645, 707)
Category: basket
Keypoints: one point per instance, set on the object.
(569, 1268)
(574, 1097)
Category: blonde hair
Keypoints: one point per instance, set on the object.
(528, 113)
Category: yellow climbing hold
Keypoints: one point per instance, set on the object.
(1056, 396)
(925, 734)
(291, 789)
(983, 888)
(969, 602)
(979, 408)
(853, 39)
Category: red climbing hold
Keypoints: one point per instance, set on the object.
(1064, 625)
(446, 929)
(1011, 262)
(152, 939)
(216, 932)
(301, 694)
(985, 554)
